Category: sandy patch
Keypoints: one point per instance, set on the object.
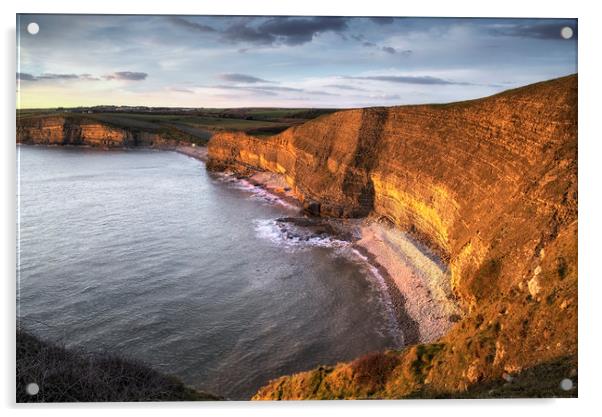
(422, 281)
(197, 152)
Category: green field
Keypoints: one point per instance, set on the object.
(198, 123)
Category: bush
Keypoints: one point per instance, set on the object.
(373, 370)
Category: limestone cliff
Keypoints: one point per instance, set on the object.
(490, 184)
(76, 130)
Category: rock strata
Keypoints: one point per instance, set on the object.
(69, 130)
(490, 185)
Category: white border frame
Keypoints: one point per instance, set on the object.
(590, 374)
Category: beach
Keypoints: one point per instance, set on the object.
(416, 281)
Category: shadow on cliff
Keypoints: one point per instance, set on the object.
(359, 188)
(357, 184)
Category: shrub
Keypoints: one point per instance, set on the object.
(372, 370)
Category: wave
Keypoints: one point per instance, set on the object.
(295, 238)
(256, 191)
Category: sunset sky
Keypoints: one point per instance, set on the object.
(233, 61)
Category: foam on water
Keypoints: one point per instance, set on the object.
(292, 238)
(255, 191)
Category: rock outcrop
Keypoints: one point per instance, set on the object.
(72, 130)
(489, 184)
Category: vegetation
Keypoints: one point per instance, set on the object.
(64, 375)
(541, 381)
(373, 370)
(193, 123)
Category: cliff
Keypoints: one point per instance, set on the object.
(490, 185)
(79, 130)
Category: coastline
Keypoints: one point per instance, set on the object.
(196, 152)
(418, 286)
(417, 283)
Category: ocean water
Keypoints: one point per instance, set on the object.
(146, 254)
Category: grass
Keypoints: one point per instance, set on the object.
(198, 123)
(64, 375)
(540, 381)
(424, 358)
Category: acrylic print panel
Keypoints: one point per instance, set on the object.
(275, 208)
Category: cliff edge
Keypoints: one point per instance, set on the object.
(490, 185)
(92, 130)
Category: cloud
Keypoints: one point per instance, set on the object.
(296, 31)
(242, 78)
(181, 90)
(391, 50)
(383, 20)
(345, 87)
(241, 32)
(258, 89)
(198, 27)
(536, 30)
(279, 88)
(23, 76)
(126, 75)
(48, 76)
(387, 49)
(123, 75)
(409, 79)
(321, 93)
(272, 90)
(89, 77)
(284, 30)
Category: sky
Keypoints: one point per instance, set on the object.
(267, 61)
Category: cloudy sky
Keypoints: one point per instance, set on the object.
(237, 61)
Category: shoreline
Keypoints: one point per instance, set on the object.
(196, 152)
(419, 285)
(417, 281)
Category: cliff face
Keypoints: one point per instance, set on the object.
(490, 184)
(65, 130)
